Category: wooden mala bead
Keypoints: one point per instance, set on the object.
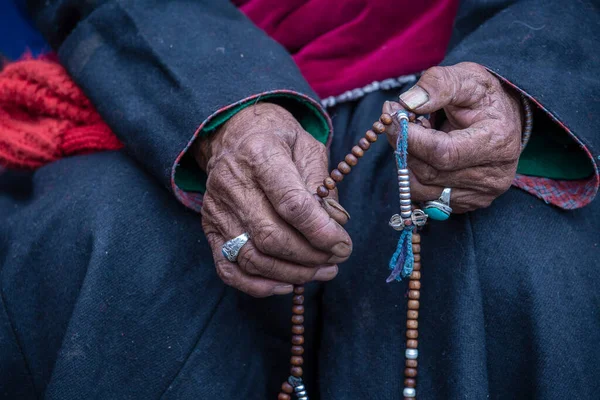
(364, 144)
(386, 119)
(378, 127)
(351, 160)
(329, 183)
(287, 388)
(297, 350)
(336, 175)
(296, 360)
(298, 329)
(344, 168)
(371, 136)
(358, 152)
(298, 309)
(322, 191)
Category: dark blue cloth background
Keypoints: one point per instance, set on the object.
(17, 34)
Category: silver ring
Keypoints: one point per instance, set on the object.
(439, 209)
(232, 247)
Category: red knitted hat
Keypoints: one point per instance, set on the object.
(44, 116)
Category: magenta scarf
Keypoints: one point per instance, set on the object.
(340, 45)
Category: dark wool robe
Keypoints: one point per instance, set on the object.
(107, 284)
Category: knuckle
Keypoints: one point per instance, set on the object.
(267, 239)
(427, 174)
(247, 260)
(321, 150)
(296, 206)
(472, 67)
(435, 74)
(445, 155)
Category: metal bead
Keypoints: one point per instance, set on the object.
(405, 196)
(402, 172)
(299, 388)
(303, 398)
(405, 214)
(405, 207)
(404, 189)
(301, 393)
(411, 354)
(405, 202)
(404, 184)
(403, 178)
(409, 392)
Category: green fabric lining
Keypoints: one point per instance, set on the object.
(553, 153)
(190, 178)
(550, 159)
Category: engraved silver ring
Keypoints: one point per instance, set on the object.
(232, 247)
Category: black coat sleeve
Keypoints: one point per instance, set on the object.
(158, 70)
(550, 51)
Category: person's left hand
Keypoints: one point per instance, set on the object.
(476, 150)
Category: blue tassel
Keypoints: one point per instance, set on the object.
(402, 261)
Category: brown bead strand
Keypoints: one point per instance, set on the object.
(329, 183)
(351, 159)
(412, 315)
(297, 359)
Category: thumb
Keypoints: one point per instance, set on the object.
(460, 85)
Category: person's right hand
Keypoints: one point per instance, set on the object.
(263, 171)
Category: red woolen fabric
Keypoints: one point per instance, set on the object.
(340, 45)
(44, 116)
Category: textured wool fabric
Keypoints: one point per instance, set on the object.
(109, 292)
(45, 116)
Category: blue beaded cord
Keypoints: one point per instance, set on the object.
(401, 263)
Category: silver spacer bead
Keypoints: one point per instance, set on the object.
(402, 172)
(404, 183)
(301, 393)
(409, 392)
(411, 354)
(303, 398)
(405, 214)
(299, 388)
(404, 189)
(405, 196)
(403, 178)
(405, 202)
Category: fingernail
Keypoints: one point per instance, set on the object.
(338, 207)
(326, 273)
(341, 250)
(415, 97)
(283, 289)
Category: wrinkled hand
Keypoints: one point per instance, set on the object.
(263, 170)
(477, 148)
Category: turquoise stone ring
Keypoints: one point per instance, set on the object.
(439, 210)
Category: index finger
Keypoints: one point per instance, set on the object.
(449, 151)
